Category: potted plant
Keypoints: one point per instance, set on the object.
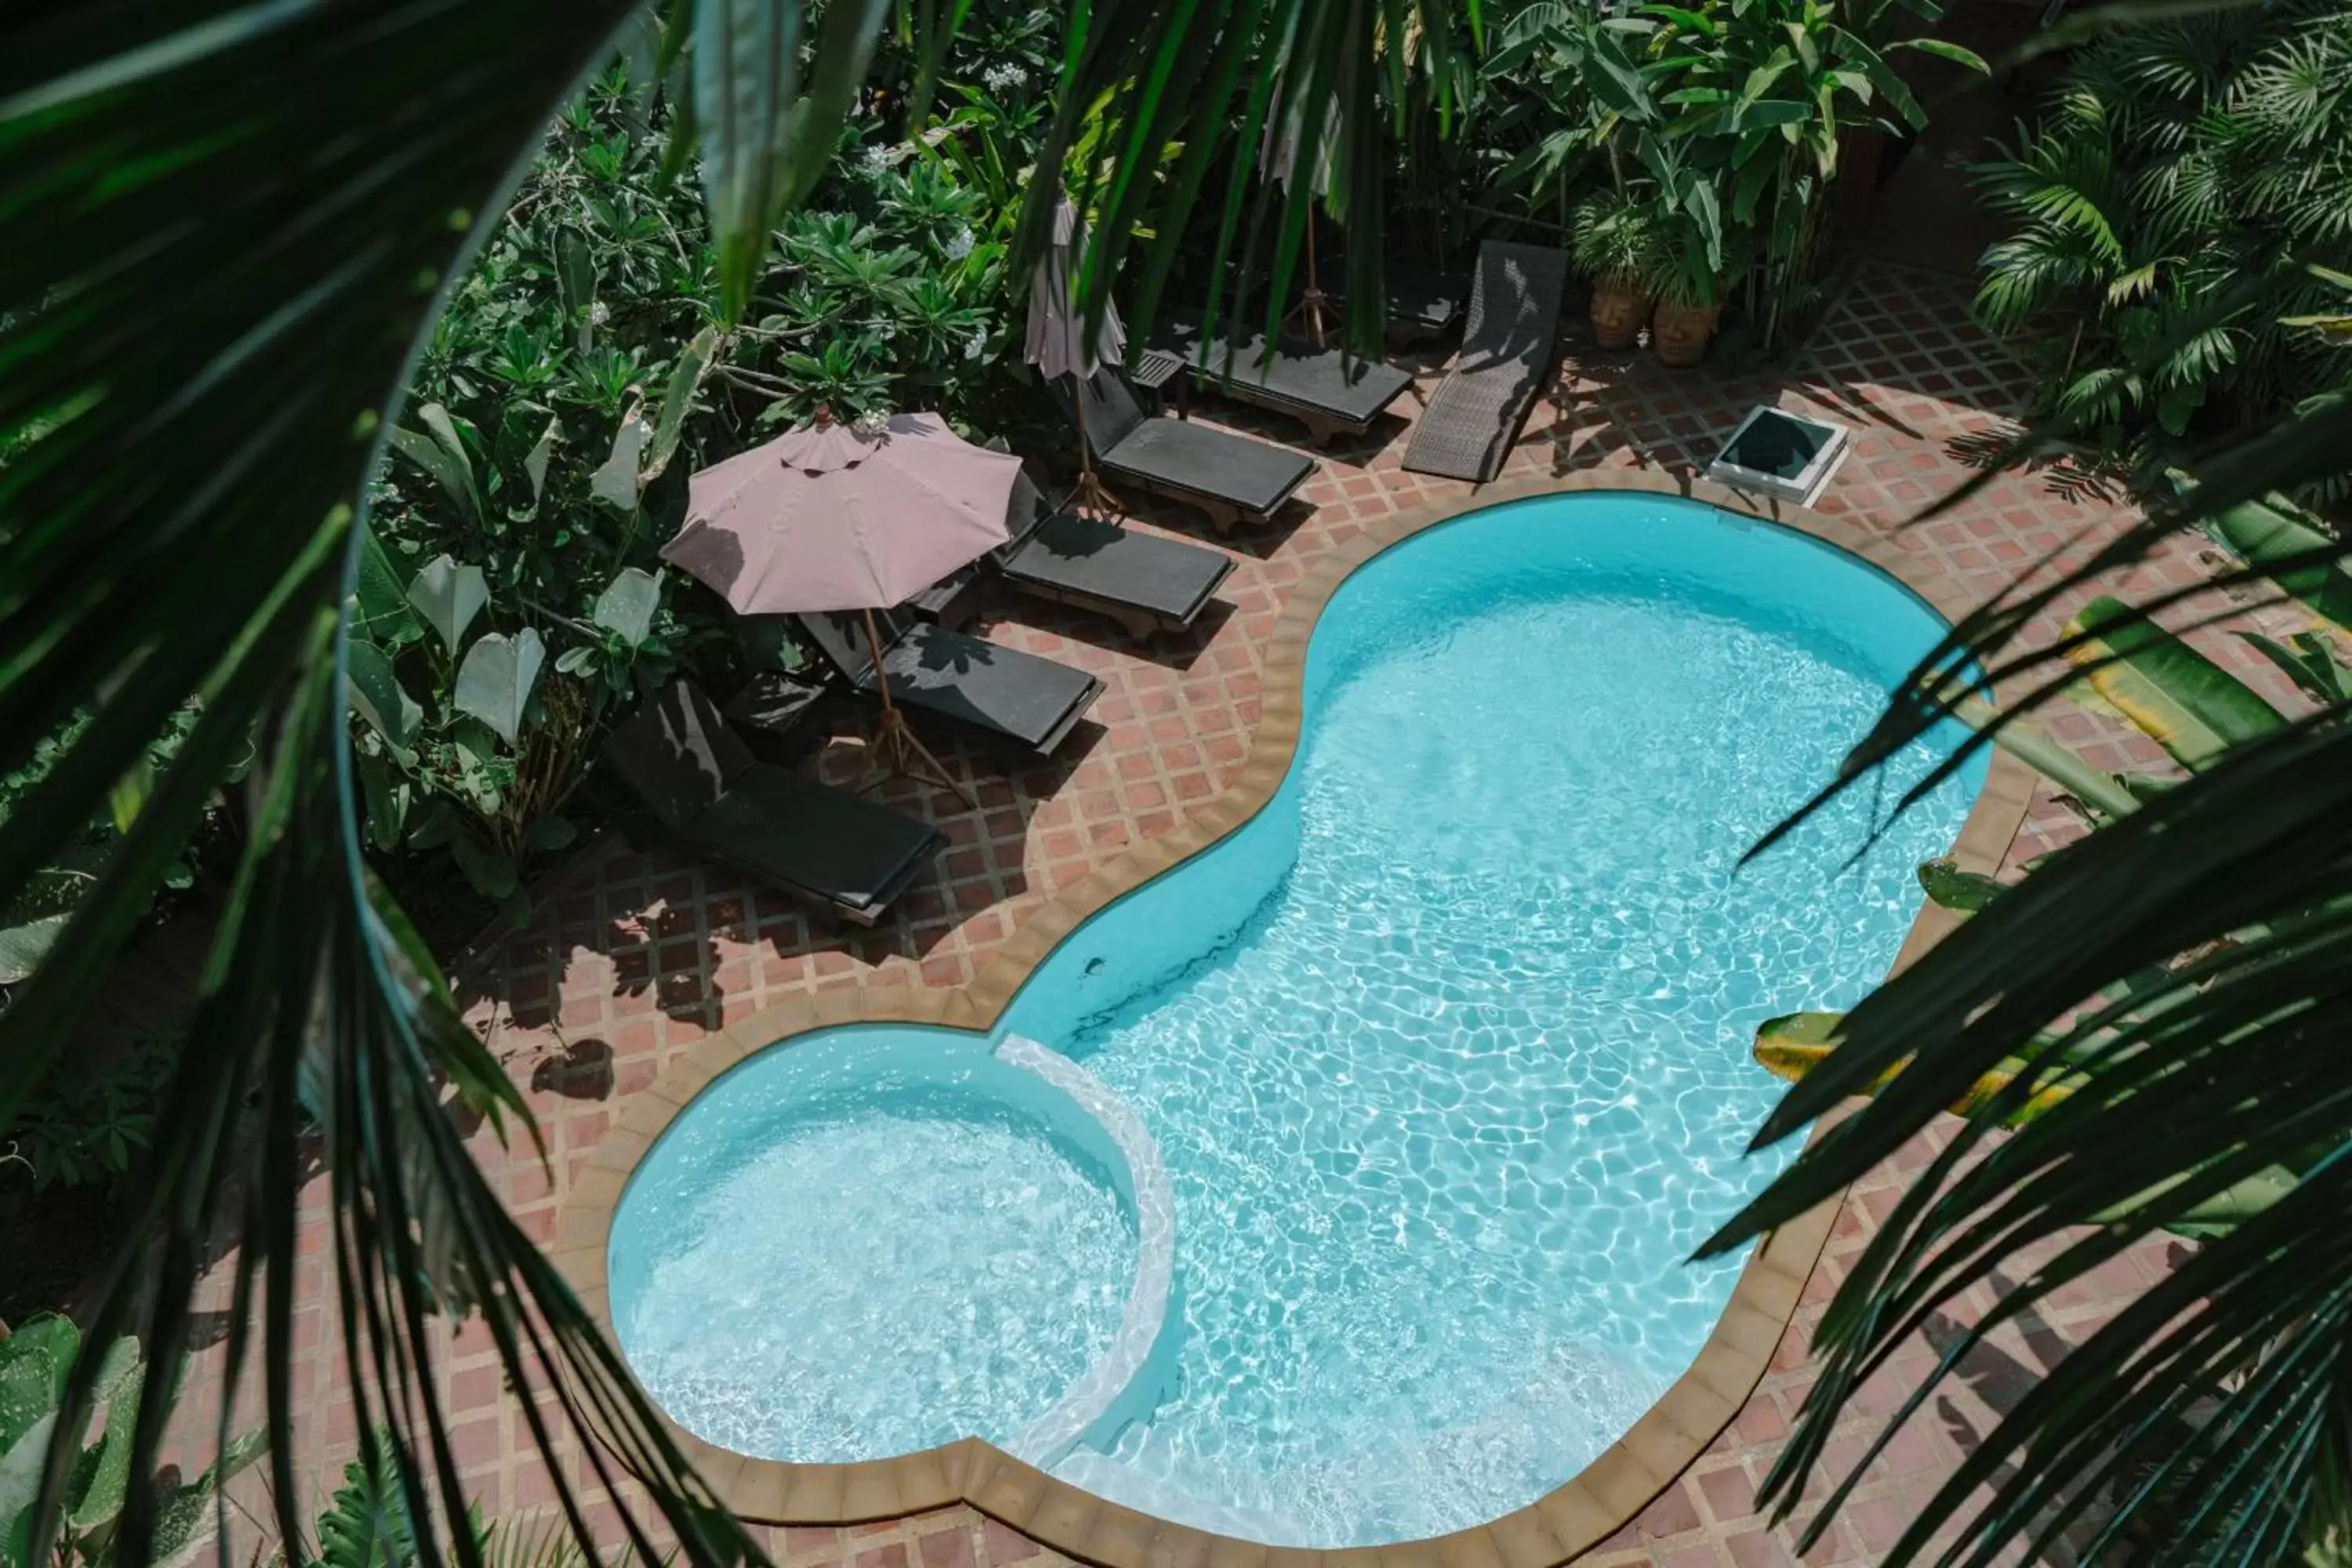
(1689, 291)
(1616, 241)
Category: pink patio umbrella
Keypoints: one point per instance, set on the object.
(826, 518)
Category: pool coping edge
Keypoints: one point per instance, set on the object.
(1572, 1519)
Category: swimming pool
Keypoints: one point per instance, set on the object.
(1348, 1198)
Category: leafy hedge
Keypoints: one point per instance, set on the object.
(511, 599)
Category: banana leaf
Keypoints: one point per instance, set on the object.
(1792, 1044)
(2175, 696)
(2266, 533)
(2095, 787)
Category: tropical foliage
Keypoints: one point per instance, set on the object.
(35, 1364)
(2195, 712)
(2141, 1036)
(1724, 121)
(510, 595)
(2168, 209)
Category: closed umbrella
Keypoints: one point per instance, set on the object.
(828, 519)
(1058, 343)
(1278, 156)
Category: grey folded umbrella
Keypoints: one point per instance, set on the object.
(1058, 343)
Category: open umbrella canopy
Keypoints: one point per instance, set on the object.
(824, 519)
(1056, 343)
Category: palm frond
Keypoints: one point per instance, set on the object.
(2222, 1069)
(233, 221)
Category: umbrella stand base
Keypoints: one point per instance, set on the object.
(1314, 312)
(1089, 495)
(895, 753)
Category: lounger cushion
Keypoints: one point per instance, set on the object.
(1119, 566)
(1349, 389)
(677, 755)
(825, 843)
(974, 681)
(1000, 690)
(1252, 476)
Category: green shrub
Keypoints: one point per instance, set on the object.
(2166, 210)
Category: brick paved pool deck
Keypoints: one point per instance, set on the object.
(636, 955)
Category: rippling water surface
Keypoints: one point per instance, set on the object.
(1446, 1115)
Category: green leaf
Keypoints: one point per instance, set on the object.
(2170, 693)
(23, 944)
(34, 1364)
(2264, 533)
(551, 833)
(377, 695)
(2095, 787)
(617, 482)
(21, 1464)
(535, 466)
(627, 606)
(1944, 51)
(1964, 891)
(1768, 112)
(104, 1484)
(449, 596)
(488, 872)
(685, 380)
(442, 456)
(129, 793)
(367, 1523)
(576, 280)
(1882, 76)
(495, 682)
(2310, 663)
(746, 77)
(382, 614)
(384, 796)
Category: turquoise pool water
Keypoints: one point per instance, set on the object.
(1441, 1061)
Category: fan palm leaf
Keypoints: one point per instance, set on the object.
(232, 224)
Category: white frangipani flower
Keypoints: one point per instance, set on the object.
(958, 244)
(1004, 78)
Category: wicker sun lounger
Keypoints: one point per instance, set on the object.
(703, 785)
(999, 696)
(1326, 390)
(1229, 477)
(1507, 350)
(1142, 581)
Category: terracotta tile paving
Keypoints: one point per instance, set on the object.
(635, 955)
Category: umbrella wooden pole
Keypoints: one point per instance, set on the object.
(1311, 308)
(898, 752)
(1088, 492)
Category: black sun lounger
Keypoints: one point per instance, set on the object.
(1326, 390)
(999, 696)
(1229, 477)
(1145, 582)
(700, 779)
(1507, 350)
